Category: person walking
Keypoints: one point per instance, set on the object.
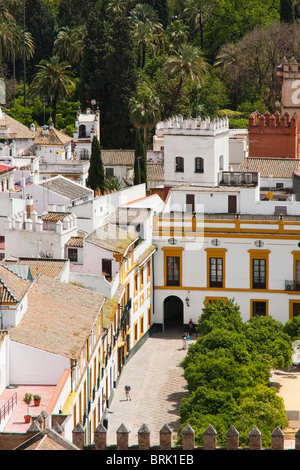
(127, 389)
(191, 326)
(184, 339)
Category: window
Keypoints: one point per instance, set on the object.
(141, 277)
(84, 154)
(216, 267)
(173, 270)
(221, 163)
(106, 268)
(216, 272)
(296, 269)
(294, 309)
(259, 267)
(72, 255)
(82, 131)
(179, 164)
(259, 274)
(148, 270)
(199, 165)
(172, 266)
(136, 283)
(259, 308)
(109, 172)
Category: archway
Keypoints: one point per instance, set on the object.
(173, 312)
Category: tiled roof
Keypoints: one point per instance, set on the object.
(129, 215)
(12, 286)
(155, 172)
(55, 216)
(5, 168)
(65, 187)
(111, 238)
(48, 439)
(270, 167)
(16, 129)
(117, 157)
(59, 317)
(52, 137)
(46, 266)
(76, 242)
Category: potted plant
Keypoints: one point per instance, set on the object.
(27, 399)
(37, 400)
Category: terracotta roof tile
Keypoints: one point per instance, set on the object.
(270, 167)
(59, 317)
(117, 157)
(52, 137)
(46, 266)
(13, 284)
(112, 238)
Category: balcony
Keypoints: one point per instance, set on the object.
(292, 285)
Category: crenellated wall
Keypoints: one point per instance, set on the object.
(273, 136)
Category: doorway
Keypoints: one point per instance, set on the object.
(232, 204)
(173, 312)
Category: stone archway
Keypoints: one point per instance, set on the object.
(173, 312)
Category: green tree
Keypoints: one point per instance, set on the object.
(53, 80)
(145, 28)
(292, 328)
(140, 163)
(287, 11)
(68, 45)
(95, 178)
(144, 108)
(188, 64)
(197, 12)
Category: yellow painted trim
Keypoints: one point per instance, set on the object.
(176, 252)
(213, 299)
(148, 292)
(142, 277)
(259, 254)
(67, 405)
(296, 257)
(227, 289)
(142, 300)
(259, 300)
(291, 303)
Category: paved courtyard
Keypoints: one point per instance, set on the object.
(157, 388)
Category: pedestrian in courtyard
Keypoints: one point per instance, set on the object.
(191, 326)
(127, 389)
(187, 339)
(184, 339)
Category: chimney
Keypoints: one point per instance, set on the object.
(29, 206)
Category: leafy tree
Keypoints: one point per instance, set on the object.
(95, 178)
(68, 45)
(53, 80)
(292, 328)
(197, 12)
(287, 11)
(144, 108)
(140, 163)
(187, 63)
(75, 13)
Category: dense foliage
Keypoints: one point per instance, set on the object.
(228, 371)
(198, 57)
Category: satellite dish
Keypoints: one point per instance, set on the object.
(269, 195)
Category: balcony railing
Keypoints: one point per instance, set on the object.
(292, 285)
(8, 407)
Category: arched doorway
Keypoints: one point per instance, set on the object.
(173, 312)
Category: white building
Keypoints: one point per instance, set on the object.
(87, 126)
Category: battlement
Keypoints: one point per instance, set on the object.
(287, 66)
(274, 120)
(179, 125)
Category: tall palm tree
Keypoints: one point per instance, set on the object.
(177, 33)
(197, 12)
(187, 63)
(116, 9)
(54, 79)
(69, 44)
(146, 29)
(144, 108)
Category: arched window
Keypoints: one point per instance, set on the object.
(82, 131)
(179, 164)
(199, 165)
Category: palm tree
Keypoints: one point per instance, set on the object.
(69, 44)
(146, 29)
(176, 34)
(116, 9)
(187, 63)
(196, 12)
(54, 80)
(144, 108)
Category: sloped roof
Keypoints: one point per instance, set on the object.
(48, 439)
(52, 137)
(65, 187)
(59, 317)
(155, 172)
(117, 157)
(270, 167)
(112, 238)
(5, 168)
(12, 286)
(46, 266)
(16, 129)
(76, 242)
